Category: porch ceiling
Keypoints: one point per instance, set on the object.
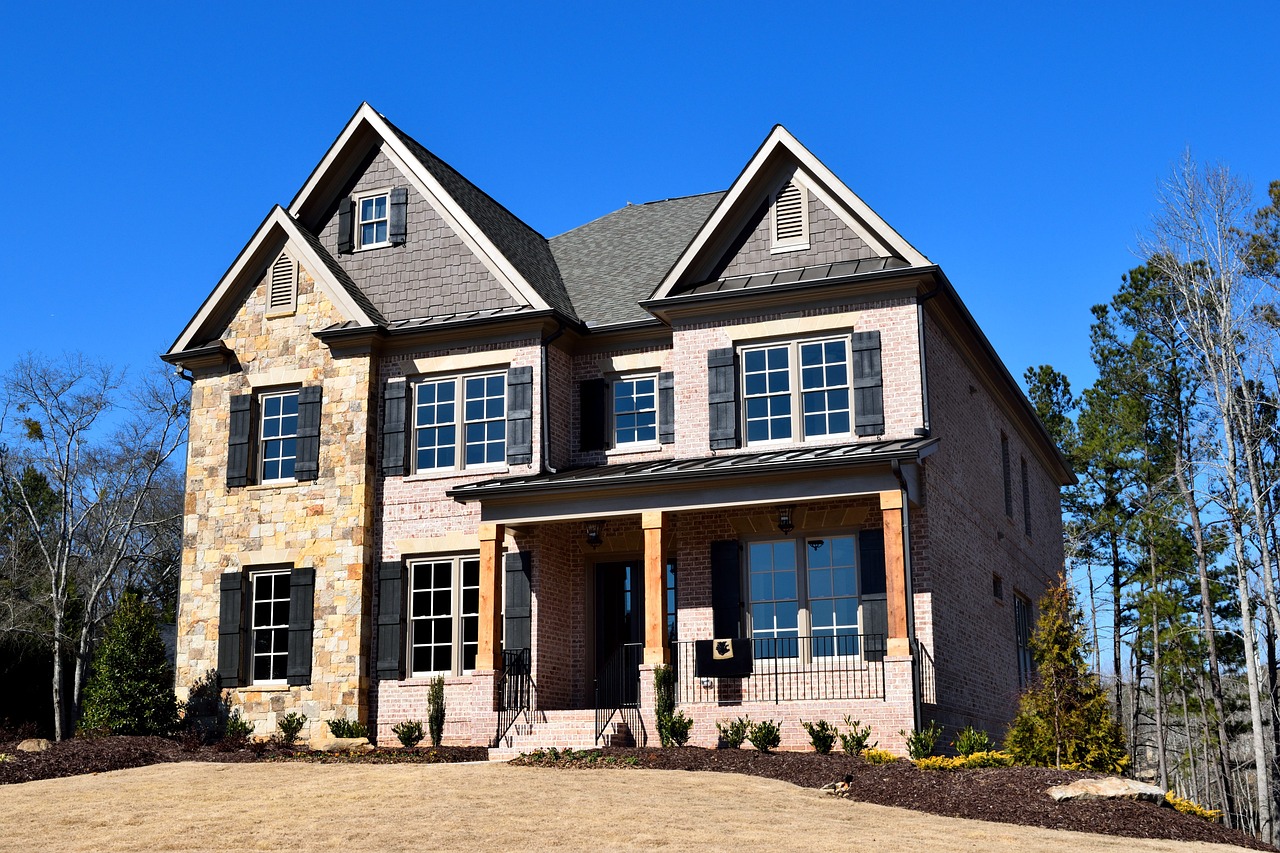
(798, 473)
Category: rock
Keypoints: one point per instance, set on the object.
(1110, 788)
(34, 744)
(346, 744)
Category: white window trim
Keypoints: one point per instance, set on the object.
(455, 614)
(262, 439)
(253, 629)
(356, 243)
(459, 423)
(791, 244)
(796, 391)
(804, 619)
(633, 446)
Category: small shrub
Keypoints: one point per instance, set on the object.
(1192, 808)
(971, 740)
(965, 762)
(206, 711)
(348, 728)
(130, 688)
(871, 755)
(435, 709)
(822, 735)
(678, 727)
(764, 735)
(664, 689)
(854, 742)
(939, 762)
(733, 732)
(239, 728)
(290, 726)
(988, 758)
(409, 732)
(921, 744)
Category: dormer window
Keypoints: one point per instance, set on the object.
(373, 214)
(791, 218)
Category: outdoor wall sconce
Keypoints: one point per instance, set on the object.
(595, 533)
(785, 523)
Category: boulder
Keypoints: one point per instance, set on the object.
(1110, 788)
(345, 744)
(34, 744)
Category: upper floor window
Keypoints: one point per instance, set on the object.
(279, 436)
(460, 422)
(373, 213)
(790, 218)
(635, 410)
(796, 390)
(444, 608)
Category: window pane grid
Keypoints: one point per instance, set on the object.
(279, 435)
(833, 595)
(435, 413)
(373, 220)
(486, 426)
(824, 386)
(470, 615)
(775, 603)
(270, 626)
(453, 433)
(431, 617)
(635, 410)
(767, 393)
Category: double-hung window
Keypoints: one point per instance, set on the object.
(279, 436)
(807, 596)
(372, 220)
(269, 628)
(444, 608)
(796, 391)
(460, 422)
(1022, 638)
(635, 411)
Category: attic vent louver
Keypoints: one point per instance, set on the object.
(790, 217)
(284, 281)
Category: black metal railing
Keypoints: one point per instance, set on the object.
(925, 675)
(515, 690)
(618, 684)
(785, 669)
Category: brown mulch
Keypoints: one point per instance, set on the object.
(101, 754)
(1001, 794)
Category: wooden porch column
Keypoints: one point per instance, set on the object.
(895, 574)
(489, 644)
(656, 643)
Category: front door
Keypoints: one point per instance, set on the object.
(619, 633)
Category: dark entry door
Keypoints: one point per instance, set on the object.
(619, 633)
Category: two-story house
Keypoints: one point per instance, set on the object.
(752, 434)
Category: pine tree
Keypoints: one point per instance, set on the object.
(130, 690)
(1064, 717)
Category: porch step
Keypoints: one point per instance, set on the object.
(574, 729)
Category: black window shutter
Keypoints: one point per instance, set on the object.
(666, 407)
(391, 619)
(393, 423)
(868, 396)
(722, 398)
(726, 589)
(307, 466)
(230, 619)
(518, 608)
(520, 415)
(344, 226)
(871, 561)
(591, 414)
(396, 219)
(302, 586)
(239, 441)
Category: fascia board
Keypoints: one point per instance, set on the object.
(278, 225)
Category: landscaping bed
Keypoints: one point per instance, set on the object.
(1001, 794)
(101, 754)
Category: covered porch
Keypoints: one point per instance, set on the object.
(775, 585)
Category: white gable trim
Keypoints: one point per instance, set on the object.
(277, 232)
(426, 184)
(821, 181)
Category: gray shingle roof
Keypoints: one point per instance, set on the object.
(525, 248)
(798, 274)
(611, 264)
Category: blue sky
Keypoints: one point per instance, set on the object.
(1018, 147)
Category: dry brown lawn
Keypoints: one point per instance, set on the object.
(350, 808)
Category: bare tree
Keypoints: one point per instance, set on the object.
(86, 465)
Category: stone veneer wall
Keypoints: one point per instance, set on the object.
(321, 524)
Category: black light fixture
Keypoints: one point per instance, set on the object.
(595, 532)
(785, 523)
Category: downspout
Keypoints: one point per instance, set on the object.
(924, 372)
(917, 681)
(545, 403)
